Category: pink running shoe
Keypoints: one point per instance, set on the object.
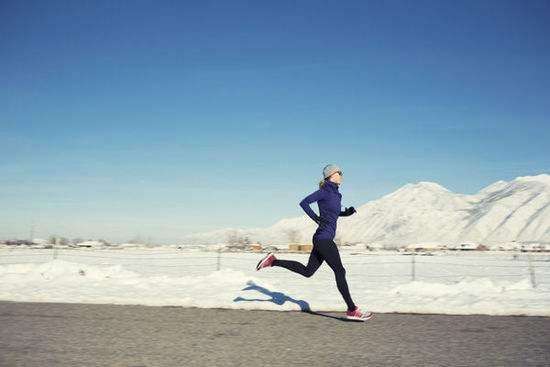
(359, 315)
(267, 261)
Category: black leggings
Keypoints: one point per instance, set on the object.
(323, 250)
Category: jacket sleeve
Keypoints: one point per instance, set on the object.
(311, 198)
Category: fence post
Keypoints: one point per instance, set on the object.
(413, 269)
(54, 252)
(531, 271)
(218, 259)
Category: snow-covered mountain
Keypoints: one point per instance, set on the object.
(502, 212)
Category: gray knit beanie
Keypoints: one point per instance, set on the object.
(330, 169)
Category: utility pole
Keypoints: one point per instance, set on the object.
(31, 232)
(413, 269)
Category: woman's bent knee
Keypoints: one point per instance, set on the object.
(309, 272)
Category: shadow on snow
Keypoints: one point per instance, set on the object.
(280, 298)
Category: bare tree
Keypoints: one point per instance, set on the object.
(391, 246)
(293, 235)
(234, 238)
(136, 240)
(58, 240)
(230, 237)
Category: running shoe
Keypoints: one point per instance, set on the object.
(267, 261)
(359, 315)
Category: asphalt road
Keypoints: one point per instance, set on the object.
(63, 334)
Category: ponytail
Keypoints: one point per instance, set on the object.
(321, 183)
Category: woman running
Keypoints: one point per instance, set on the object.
(324, 249)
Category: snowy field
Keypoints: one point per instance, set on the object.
(493, 283)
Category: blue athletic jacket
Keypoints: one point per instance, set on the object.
(329, 201)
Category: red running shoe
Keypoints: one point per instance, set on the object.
(266, 261)
(359, 315)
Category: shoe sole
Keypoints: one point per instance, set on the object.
(258, 267)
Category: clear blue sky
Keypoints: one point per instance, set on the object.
(160, 119)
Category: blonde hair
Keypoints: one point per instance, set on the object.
(322, 182)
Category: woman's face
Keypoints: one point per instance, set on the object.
(336, 177)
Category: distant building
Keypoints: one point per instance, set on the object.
(40, 241)
(535, 247)
(374, 246)
(214, 247)
(300, 247)
(418, 247)
(468, 246)
(510, 246)
(255, 247)
(234, 248)
(464, 246)
(91, 244)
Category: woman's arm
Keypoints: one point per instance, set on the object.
(311, 198)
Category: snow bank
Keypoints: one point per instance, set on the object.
(470, 296)
(64, 281)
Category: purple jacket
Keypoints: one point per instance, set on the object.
(329, 201)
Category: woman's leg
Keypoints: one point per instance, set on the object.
(315, 260)
(329, 251)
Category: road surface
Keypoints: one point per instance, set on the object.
(64, 334)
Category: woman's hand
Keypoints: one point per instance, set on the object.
(348, 211)
(319, 220)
